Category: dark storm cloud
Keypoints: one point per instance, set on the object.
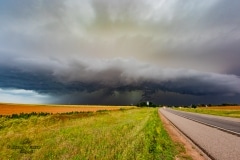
(102, 79)
(105, 48)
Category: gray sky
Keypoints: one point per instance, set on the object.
(120, 51)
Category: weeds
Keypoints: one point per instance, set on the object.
(26, 115)
(132, 134)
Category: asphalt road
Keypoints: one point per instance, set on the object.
(230, 126)
(215, 142)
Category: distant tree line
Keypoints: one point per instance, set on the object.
(207, 105)
(229, 104)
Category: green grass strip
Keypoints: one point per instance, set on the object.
(217, 112)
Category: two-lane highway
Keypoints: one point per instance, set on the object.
(230, 126)
(218, 139)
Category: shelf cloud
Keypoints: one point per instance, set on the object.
(122, 52)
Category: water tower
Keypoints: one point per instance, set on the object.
(147, 103)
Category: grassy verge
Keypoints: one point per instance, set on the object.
(125, 134)
(218, 112)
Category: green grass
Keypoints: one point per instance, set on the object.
(125, 134)
(217, 112)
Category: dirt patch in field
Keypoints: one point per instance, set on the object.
(177, 137)
(9, 109)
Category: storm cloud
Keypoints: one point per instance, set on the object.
(122, 52)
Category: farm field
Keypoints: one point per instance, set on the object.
(226, 111)
(123, 134)
(8, 109)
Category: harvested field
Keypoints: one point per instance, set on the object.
(8, 109)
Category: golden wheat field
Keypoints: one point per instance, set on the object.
(8, 109)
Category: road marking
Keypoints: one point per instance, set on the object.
(213, 126)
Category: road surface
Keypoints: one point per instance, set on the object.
(220, 142)
(231, 126)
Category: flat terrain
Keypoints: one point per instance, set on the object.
(226, 111)
(8, 109)
(231, 125)
(223, 107)
(123, 134)
(216, 143)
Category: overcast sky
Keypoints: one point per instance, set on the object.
(120, 51)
